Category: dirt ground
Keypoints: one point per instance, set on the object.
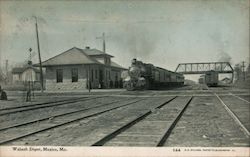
(205, 122)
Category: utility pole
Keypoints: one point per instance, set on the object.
(243, 70)
(0, 60)
(6, 70)
(6, 66)
(103, 42)
(39, 55)
(104, 50)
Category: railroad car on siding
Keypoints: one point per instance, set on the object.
(211, 78)
(146, 76)
(201, 80)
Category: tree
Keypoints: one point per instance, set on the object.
(238, 72)
(248, 73)
(1, 76)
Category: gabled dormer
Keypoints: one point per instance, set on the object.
(100, 56)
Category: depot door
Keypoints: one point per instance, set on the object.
(101, 78)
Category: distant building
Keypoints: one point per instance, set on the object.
(82, 68)
(226, 80)
(25, 74)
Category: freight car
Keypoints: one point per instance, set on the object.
(146, 76)
(202, 79)
(210, 78)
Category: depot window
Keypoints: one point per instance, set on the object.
(74, 74)
(59, 75)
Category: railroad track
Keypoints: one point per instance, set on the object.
(37, 104)
(168, 116)
(240, 98)
(149, 127)
(58, 121)
(235, 115)
(56, 115)
(12, 110)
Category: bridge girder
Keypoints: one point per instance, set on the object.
(201, 68)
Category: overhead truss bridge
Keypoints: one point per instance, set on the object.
(201, 68)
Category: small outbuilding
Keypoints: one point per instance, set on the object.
(78, 69)
(27, 73)
(226, 80)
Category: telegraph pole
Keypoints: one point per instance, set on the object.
(6, 70)
(243, 70)
(104, 50)
(39, 55)
(103, 42)
(6, 66)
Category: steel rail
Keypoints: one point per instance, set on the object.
(173, 124)
(46, 105)
(110, 136)
(65, 123)
(37, 104)
(236, 119)
(231, 113)
(239, 98)
(57, 115)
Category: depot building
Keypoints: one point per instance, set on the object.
(78, 69)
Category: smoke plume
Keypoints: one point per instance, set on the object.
(224, 57)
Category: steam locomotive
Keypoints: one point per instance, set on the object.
(146, 76)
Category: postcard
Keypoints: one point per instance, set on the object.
(114, 78)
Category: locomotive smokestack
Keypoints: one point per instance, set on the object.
(133, 61)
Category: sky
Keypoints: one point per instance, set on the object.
(164, 33)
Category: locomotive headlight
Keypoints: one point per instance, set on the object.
(128, 78)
